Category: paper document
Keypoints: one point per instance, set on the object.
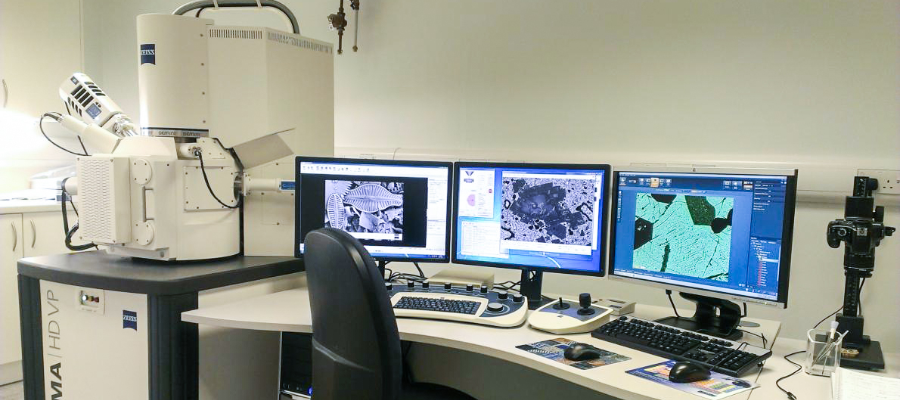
(847, 384)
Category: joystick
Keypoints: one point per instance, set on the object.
(563, 317)
(584, 300)
(561, 305)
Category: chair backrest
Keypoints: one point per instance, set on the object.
(356, 346)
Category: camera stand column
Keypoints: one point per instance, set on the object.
(861, 231)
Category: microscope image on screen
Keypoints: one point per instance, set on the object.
(683, 235)
(548, 210)
(365, 209)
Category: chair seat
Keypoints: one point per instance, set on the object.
(427, 391)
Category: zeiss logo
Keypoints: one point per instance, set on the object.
(148, 54)
(129, 319)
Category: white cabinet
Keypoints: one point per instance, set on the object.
(11, 250)
(28, 234)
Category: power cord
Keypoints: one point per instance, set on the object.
(790, 395)
(56, 116)
(199, 154)
(672, 302)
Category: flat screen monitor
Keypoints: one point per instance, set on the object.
(725, 235)
(538, 217)
(399, 210)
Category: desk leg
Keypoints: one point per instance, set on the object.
(32, 346)
(174, 348)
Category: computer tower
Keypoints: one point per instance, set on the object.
(295, 375)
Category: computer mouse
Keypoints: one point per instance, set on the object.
(687, 372)
(581, 352)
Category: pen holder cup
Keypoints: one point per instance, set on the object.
(823, 354)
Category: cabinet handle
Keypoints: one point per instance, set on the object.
(15, 236)
(5, 92)
(33, 233)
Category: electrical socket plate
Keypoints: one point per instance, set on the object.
(888, 180)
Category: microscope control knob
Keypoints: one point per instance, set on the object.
(411, 284)
(448, 286)
(470, 288)
(518, 298)
(495, 307)
(503, 295)
(484, 289)
(389, 286)
(426, 285)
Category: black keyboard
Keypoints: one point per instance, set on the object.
(723, 356)
(440, 305)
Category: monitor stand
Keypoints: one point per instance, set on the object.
(381, 267)
(530, 287)
(714, 317)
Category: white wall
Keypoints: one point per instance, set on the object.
(40, 45)
(800, 82)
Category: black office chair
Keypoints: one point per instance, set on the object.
(356, 346)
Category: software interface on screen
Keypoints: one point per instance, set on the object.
(530, 217)
(706, 231)
(397, 211)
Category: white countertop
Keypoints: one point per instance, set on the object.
(29, 206)
(288, 311)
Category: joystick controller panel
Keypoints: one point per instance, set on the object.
(569, 316)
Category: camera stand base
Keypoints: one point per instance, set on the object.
(870, 357)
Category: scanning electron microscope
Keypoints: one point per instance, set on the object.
(223, 110)
(204, 176)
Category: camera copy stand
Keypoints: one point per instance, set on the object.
(862, 231)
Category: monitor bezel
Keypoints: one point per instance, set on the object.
(786, 239)
(604, 214)
(414, 163)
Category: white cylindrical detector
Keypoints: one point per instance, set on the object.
(173, 82)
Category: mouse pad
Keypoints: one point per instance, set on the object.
(718, 386)
(553, 350)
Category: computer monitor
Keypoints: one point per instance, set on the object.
(534, 217)
(714, 236)
(399, 210)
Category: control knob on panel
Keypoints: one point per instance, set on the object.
(448, 286)
(470, 288)
(411, 284)
(502, 295)
(518, 298)
(495, 307)
(426, 284)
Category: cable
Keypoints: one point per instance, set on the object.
(70, 232)
(859, 296)
(422, 274)
(199, 154)
(842, 307)
(672, 302)
(759, 335)
(41, 127)
(790, 395)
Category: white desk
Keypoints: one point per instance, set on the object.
(805, 387)
(288, 311)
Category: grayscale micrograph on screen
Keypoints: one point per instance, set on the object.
(365, 207)
(683, 235)
(548, 210)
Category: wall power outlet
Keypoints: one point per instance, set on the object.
(888, 180)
